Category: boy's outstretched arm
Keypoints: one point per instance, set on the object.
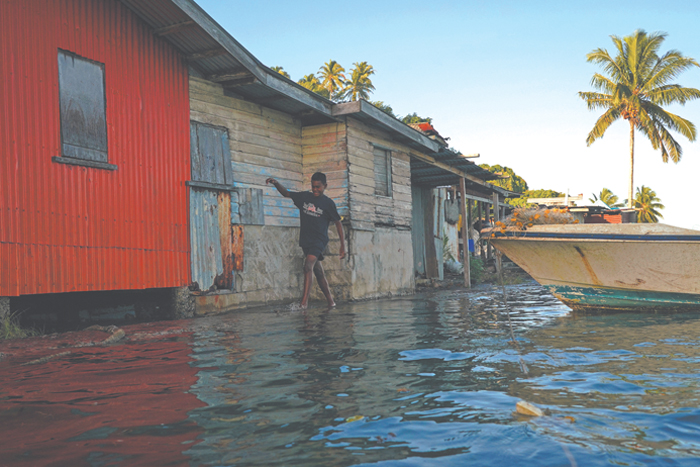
(341, 234)
(283, 191)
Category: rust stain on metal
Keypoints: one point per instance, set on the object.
(594, 278)
(237, 247)
(225, 280)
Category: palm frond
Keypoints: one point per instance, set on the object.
(673, 121)
(670, 146)
(602, 83)
(669, 67)
(602, 124)
(596, 100)
(603, 58)
(673, 93)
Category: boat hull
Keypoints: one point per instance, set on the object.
(611, 267)
(610, 299)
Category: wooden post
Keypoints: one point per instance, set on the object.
(470, 221)
(431, 260)
(482, 250)
(465, 232)
(492, 220)
(496, 208)
(496, 218)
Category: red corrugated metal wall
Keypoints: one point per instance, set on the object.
(67, 228)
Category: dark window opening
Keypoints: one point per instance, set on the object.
(81, 84)
(382, 172)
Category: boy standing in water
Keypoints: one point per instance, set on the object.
(316, 211)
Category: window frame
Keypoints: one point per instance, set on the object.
(226, 164)
(63, 91)
(389, 170)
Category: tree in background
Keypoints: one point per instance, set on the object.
(527, 194)
(359, 86)
(386, 108)
(517, 184)
(648, 205)
(607, 197)
(636, 88)
(415, 118)
(312, 83)
(280, 70)
(512, 183)
(332, 77)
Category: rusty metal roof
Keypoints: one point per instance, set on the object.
(213, 54)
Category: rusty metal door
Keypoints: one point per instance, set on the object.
(210, 208)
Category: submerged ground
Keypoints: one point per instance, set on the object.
(427, 380)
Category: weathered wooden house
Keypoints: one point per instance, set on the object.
(136, 139)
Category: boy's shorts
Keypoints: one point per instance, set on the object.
(316, 250)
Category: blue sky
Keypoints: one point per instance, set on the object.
(500, 78)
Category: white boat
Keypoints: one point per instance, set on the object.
(643, 267)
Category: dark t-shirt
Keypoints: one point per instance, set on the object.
(316, 212)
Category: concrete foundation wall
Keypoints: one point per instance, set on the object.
(382, 263)
(272, 272)
(4, 306)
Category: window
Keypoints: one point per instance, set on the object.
(81, 87)
(382, 172)
(211, 156)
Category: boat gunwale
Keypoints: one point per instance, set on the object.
(525, 235)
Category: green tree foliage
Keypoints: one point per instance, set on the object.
(527, 194)
(280, 70)
(648, 205)
(359, 86)
(637, 85)
(386, 108)
(332, 77)
(512, 183)
(608, 197)
(312, 83)
(415, 118)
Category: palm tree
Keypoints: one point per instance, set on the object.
(415, 118)
(359, 86)
(386, 108)
(607, 197)
(312, 83)
(281, 71)
(332, 77)
(648, 205)
(636, 88)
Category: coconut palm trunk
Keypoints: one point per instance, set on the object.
(630, 196)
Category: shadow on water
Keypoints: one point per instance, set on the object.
(426, 380)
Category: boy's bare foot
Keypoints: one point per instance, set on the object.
(303, 306)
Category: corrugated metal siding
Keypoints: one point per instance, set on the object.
(212, 266)
(71, 228)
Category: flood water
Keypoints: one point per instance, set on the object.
(426, 380)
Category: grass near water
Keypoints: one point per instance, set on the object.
(10, 328)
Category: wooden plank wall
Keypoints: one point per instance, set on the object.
(264, 143)
(366, 209)
(324, 148)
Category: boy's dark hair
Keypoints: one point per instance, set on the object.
(319, 177)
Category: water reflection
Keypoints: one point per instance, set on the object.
(424, 380)
(98, 405)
